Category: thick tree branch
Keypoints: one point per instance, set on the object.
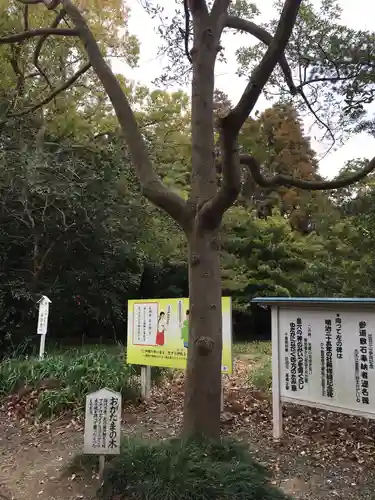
(213, 210)
(198, 6)
(187, 31)
(239, 114)
(230, 125)
(219, 8)
(152, 187)
(286, 180)
(24, 35)
(53, 94)
(261, 34)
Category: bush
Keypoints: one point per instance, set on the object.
(186, 470)
(62, 381)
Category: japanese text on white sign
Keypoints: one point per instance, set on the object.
(327, 357)
(103, 423)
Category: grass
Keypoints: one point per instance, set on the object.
(68, 378)
(259, 356)
(261, 376)
(252, 349)
(76, 372)
(186, 470)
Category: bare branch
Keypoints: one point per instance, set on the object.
(26, 18)
(237, 117)
(14, 62)
(301, 92)
(286, 180)
(40, 43)
(50, 4)
(261, 34)
(187, 31)
(53, 94)
(152, 187)
(30, 2)
(24, 35)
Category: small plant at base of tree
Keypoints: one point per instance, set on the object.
(193, 469)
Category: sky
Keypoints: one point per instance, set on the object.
(150, 66)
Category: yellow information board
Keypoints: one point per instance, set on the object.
(158, 331)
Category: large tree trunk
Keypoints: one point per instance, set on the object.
(203, 382)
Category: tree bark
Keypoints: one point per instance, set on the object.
(203, 380)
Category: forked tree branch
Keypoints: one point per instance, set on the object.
(152, 187)
(239, 114)
(24, 35)
(287, 181)
(230, 124)
(187, 31)
(261, 34)
(198, 6)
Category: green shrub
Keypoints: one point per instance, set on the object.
(186, 470)
(261, 376)
(69, 378)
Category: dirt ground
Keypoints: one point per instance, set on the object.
(321, 456)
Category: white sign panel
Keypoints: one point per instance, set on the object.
(103, 423)
(43, 315)
(145, 323)
(326, 358)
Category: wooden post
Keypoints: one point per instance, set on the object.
(277, 412)
(145, 381)
(222, 395)
(101, 466)
(42, 346)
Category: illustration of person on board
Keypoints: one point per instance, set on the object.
(185, 330)
(160, 334)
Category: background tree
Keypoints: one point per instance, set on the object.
(66, 232)
(332, 66)
(277, 140)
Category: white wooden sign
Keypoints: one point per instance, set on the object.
(103, 423)
(323, 355)
(41, 330)
(44, 303)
